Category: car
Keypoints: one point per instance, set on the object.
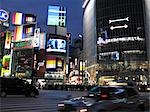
(16, 86)
(122, 82)
(110, 98)
(95, 91)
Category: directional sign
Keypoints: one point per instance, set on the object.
(117, 27)
(116, 20)
(3, 15)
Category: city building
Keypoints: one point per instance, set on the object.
(28, 53)
(116, 39)
(56, 46)
(23, 45)
(56, 58)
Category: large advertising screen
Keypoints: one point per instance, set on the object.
(56, 16)
(56, 45)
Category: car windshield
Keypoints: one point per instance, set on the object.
(106, 93)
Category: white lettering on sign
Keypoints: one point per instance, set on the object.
(123, 39)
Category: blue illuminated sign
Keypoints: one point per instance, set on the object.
(3, 15)
(56, 16)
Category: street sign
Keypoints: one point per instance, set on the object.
(4, 16)
(118, 27)
(117, 20)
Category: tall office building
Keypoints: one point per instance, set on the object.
(116, 36)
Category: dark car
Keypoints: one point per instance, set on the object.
(95, 91)
(16, 86)
(111, 98)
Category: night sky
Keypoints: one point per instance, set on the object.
(40, 7)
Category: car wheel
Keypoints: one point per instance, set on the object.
(26, 95)
(32, 94)
(3, 94)
(102, 110)
(142, 107)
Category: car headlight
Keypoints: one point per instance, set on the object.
(88, 105)
(83, 110)
(61, 105)
(91, 95)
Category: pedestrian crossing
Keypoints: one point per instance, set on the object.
(11, 104)
(46, 102)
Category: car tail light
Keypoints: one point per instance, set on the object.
(104, 96)
(83, 110)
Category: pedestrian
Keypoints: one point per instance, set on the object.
(39, 86)
(34, 72)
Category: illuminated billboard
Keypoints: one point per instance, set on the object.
(29, 18)
(8, 39)
(18, 33)
(51, 63)
(28, 31)
(4, 18)
(22, 32)
(5, 66)
(56, 16)
(54, 63)
(56, 45)
(17, 18)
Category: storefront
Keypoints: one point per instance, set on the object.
(5, 72)
(23, 59)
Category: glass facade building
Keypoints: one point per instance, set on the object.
(119, 27)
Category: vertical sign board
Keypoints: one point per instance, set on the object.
(18, 33)
(4, 18)
(8, 40)
(36, 37)
(42, 41)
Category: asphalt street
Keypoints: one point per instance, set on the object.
(46, 102)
